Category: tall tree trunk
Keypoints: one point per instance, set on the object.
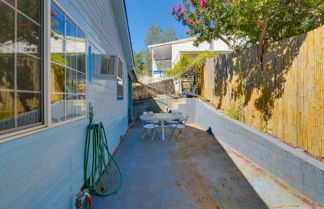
(262, 40)
(227, 42)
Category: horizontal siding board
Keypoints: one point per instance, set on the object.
(45, 169)
(48, 194)
(35, 142)
(29, 181)
(62, 199)
(57, 179)
(14, 171)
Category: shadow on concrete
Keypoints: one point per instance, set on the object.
(191, 170)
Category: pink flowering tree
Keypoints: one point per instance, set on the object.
(243, 23)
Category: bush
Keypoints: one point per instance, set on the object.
(234, 111)
(193, 63)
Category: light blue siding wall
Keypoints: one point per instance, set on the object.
(45, 169)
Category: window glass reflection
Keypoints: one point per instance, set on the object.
(28, 73)
(57, 107)
(20, 65)
(71, 59)
(57, 34)
(81, 105)
(57, 19)
(104, 65)
(71, 28)
(71, 42)
(119, 90)
(81, 62)
(31, 8)
(58, 78)
(80, 49)
(7, 112)
(79, 33)
(70, 81)
(81, 84)
(57, 48)
(120, 69)
(68, 48)
(28, 36)
(120, 79)
(28, 109)
(107, 65)
(70, 100)
(7, 25)
(7, 65)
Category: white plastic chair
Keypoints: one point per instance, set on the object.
(180, 125)
(172, 122)
(150, 128)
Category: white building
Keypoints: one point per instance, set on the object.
(166, 55)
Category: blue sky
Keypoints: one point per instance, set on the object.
(144, 13)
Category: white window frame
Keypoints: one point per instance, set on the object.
(46, 79)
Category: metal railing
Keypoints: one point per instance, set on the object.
(162, 65)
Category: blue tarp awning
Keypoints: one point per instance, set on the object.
(158, 71)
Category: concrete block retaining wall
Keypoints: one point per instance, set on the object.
(289, 164)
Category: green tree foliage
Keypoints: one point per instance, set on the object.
(27, 31)
(191, 66)
(58, 72)
(139, 63)
(147, 63)
(143, 63)
(183, 64)
(154, 35)
(234, 111)
(169, 35)
(243, 23)
(7, 23)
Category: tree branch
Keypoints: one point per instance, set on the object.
(261, 39)
(227, 42)
(264, 30)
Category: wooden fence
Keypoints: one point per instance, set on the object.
(284, 98)
(142, 92)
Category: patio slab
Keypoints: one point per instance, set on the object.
(193, 170)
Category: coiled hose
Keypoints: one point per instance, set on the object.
(97, 178)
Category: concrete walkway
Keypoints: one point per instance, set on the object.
(194, 171)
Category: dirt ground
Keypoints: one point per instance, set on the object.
(210, 192)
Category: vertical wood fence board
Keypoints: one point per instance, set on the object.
(285, 98)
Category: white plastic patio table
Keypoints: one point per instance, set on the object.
(162, 117)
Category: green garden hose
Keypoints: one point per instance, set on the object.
(97, 178)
